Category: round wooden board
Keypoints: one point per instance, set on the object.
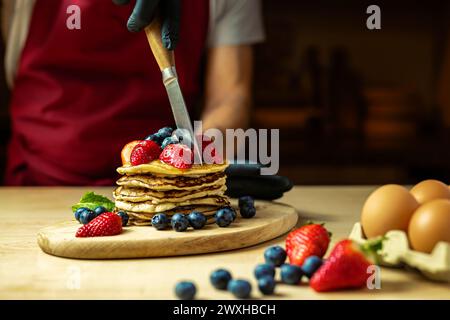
(271, 220)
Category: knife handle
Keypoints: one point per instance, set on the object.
(165, 58)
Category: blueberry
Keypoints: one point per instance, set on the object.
(164, 132)
(185, 290)
(99, 210)
(311, 265)
(155, 138)
(78, 212)
(169, 140)
(291, 274)
(179, 222)
(247, 211)
(263, 270)
(124, 216)
(246, 200)
(266, 285)
(275, 255)
(224, 217)
(220, 278)
(160, 221)
(197, 220)
(240, 288)
(86, 216)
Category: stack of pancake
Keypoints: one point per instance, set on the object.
(148, 189)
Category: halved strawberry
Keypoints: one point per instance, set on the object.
(126, 151)
(177, 155)
(145, 152)
(106, 224)
(346, 267)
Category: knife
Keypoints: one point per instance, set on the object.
(166, 63)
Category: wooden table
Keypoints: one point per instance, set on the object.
(28, 273)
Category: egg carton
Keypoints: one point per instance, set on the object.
(397, 253)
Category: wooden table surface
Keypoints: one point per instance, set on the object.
(28, 273)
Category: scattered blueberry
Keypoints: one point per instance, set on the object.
(124, 216)
(164, 132)
(291, 274)
(99, 210)
(86, 216)
(185, 290)
(179, 222)
(78, 212)
(197, 220)
(160, 221)
(220, 278)
(224, 217)
(311, 265)
(275, 255)
(240, 288)
(246, 200)
(247, 211)
(266, 285)
(263, 270)
(169, 140)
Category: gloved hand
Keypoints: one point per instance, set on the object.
(144, 12)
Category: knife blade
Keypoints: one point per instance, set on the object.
(166, 63)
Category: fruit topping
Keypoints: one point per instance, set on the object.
(145, 152)
(291, 274)
(224, 217)
(178, 156)
(124, 216)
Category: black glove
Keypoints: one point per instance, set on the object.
(245, 180)
(145, 11)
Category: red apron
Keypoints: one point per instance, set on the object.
(80, 95)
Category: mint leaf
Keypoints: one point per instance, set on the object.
(91, 200)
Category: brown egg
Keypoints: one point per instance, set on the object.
(430, 190)
(390, 207)
(429, 225)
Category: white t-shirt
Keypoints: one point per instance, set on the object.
(232, 22)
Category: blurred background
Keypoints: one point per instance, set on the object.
(354, 106)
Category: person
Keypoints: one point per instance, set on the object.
(80, 94)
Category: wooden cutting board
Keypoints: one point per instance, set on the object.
(271, 220)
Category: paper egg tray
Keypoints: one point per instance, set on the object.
(396, 253)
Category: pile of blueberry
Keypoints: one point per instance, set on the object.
(274, 257)
(85, 215)
(224, 217)
(163, 137)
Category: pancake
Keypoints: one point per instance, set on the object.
(149, 207)
(162, 183)
(161, 168)
(142, 194)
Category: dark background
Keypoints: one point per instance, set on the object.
(354, 106)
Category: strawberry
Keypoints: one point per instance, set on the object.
(106, 224)
(145, 152)
(309, 240)
(345, 268)
(177, 155)
(125, 154)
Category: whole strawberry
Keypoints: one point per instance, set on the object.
(309, 240)
(345, 268)
(177, 155)
(106, 224)
(145, 152)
